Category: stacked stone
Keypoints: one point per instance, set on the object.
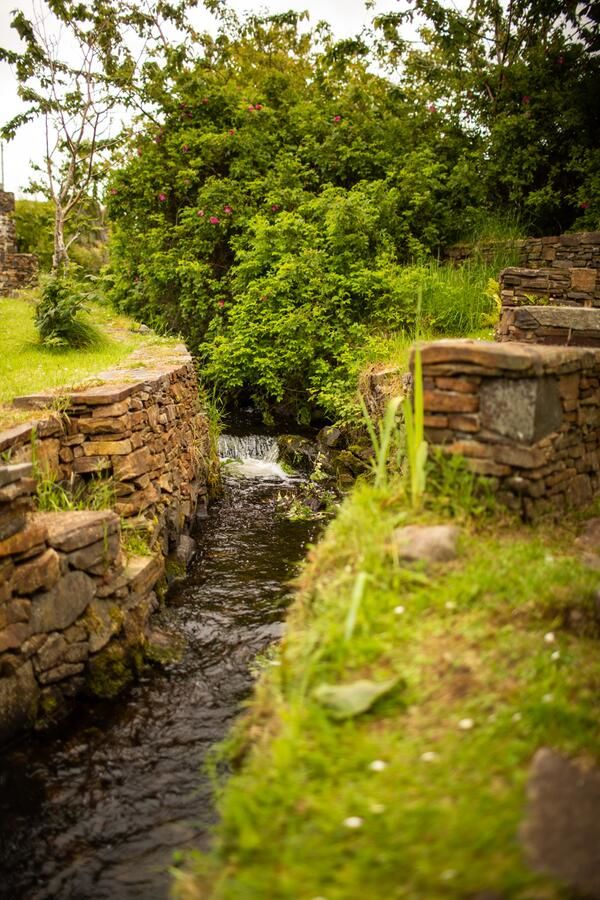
(526, 416)
(148, 435)
(550, 306)
(17, 270)
(553, 287)
(565, 251)
(66, 593)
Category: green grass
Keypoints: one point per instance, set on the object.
(26, 367)
(441, 818)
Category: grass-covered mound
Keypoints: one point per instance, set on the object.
(496, 656)
(26, 366)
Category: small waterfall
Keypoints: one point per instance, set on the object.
(248, 446)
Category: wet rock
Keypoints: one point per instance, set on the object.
(18, 700)
(426, 543)
(331, 437)
(298, 452)
(561, 831)
(186, 548)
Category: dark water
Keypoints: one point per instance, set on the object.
(96, 808)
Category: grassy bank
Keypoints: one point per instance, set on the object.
(495, 655)
(26, 366)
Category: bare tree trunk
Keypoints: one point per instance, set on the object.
(60, 257)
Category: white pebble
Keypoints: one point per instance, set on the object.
(429, 756)
(398, 610)
(353, 822)
(377, 808)
(378, 765)
(450, 605)
(466, 724)
(555, 655)
(549, 637)
(448, 874)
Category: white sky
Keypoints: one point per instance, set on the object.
(346, 17)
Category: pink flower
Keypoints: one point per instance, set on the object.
(251, 108)
(232, 131)
(584, 204)
(186, 148)
(114, 191)
(432, 108)
(525, 99)
(227, 209)
(337, 118)
(221, 303)
(200, 213)
(162, 197)
(275, 207)
(258, 106)
(560, 60)
(205, 100)
(214, 220)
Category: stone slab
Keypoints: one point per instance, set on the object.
(69, 531)
(11, 473)
(61, 606)
(561, 831)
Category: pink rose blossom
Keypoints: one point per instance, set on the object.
(432, 108)
(584, 204)
(251, 108)
(525, 99)
(200, 213)
(114, 191)
(221, 303)
(227, 209)
(162, 197)
(258, 106)
(232, 131)
(214, 220)
(186, 148)
(337, 118)
(275, 207)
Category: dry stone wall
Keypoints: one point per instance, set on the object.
(565, 251)
(526, 416)
(74, 611)
(17, 270)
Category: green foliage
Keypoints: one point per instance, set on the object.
(414, 433)
(58, 315)
(383, 435)
(406, 800)
(53, 495)
(454, 490)
(34, 221)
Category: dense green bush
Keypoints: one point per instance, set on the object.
(286, 203)
(58, 314)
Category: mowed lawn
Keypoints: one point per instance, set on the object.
(27, 367)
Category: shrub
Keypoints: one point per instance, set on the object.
(58, 318)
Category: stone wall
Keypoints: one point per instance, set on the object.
(72, 608)
(558, 287)
(17, 270)
(579, 250)
(74, 611)
(528, 417)
(559, 325)
(142, 428)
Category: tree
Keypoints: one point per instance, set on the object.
(519, 75)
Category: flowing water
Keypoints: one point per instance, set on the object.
(96, 808)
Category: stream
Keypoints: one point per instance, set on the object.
(96, 807)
